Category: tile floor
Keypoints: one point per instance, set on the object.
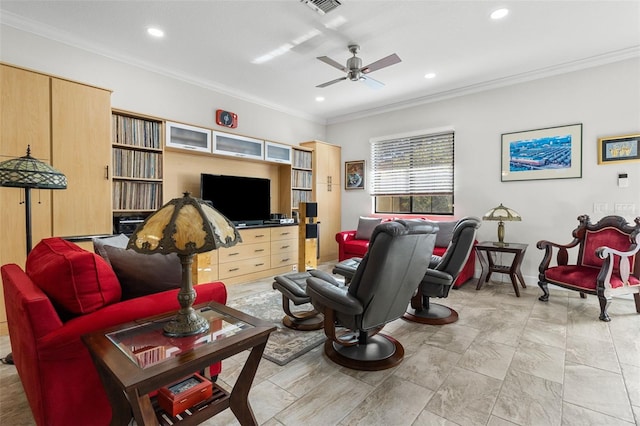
(507, 361)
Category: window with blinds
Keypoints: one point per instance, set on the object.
(413, 174)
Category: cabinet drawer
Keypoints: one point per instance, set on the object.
(258, 235)
(284, 233)
(243, 267)
(284, 259)
(243, 251)
(205, 267)
(283, 246)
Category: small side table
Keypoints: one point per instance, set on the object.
(135, 359)
(484, 250)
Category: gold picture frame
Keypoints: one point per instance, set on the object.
(619, 149)
(354, 174)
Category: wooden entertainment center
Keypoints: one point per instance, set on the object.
(124, 166)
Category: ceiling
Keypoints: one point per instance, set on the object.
(215, 44)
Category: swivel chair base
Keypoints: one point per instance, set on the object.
(292, 286)
(302, 321)
(436, 315)
(380, 352)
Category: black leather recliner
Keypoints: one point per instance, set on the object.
(398, 257)
(441, 275)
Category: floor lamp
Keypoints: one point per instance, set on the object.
(29, 173)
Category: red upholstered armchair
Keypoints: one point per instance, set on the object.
(65, 293)
(607, 262)
(355, 243)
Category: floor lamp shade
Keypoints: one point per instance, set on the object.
(30, 173)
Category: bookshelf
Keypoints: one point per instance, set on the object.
(301, 177)
(137, 164)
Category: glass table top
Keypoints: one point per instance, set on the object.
(146, 345)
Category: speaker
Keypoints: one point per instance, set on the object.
(311, 210)
(311, 230)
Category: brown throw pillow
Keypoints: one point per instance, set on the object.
(142, 274)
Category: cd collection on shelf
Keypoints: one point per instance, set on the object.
(137, 164)
(301, 159)
(301, 179)
(136, 132)
(131, 195)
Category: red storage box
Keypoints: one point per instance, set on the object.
(186, 393)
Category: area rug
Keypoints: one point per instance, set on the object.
(284, 344)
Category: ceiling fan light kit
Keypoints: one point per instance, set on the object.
(354, 69)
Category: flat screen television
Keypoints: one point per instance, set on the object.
(243, 200)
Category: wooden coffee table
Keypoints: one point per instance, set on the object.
(136, 359)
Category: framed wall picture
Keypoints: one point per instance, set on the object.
(354, 174)
(618, 149)
(549, 153)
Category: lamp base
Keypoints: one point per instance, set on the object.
(186, 323)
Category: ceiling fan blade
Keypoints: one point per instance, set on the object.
(327, 60)
(371, 82)
(329, 83)
(381, 63)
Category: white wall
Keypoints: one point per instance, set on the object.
(141, 91)
(606, 100)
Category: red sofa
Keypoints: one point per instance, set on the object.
(45, 326)
(349, 246)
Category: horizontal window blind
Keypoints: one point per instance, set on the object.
(417, 165)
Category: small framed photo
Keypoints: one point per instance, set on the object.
(354, 174)
(549, 153)
(618, 149)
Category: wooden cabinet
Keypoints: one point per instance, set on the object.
(327, 193)
(67, 125)
(81, 129)
(263, 252)
(284, 247)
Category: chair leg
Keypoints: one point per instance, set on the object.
(604, 304)
(636, 298)
(582, 295)
(545, 291)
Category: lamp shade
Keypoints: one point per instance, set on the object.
(184, 226)
(502, 213)
(29, 172)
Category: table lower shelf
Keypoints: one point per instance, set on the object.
(218, 402)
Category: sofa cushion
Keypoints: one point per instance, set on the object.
(76, 280)
(120, 241)
(366, 225)
(142, 274)
(445, 233)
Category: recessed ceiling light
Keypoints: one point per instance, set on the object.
(156, 32)
(319, 98)
(499, 14)
(430, 75)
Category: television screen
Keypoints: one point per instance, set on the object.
(240, 199)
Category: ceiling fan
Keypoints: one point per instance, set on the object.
(354, 69)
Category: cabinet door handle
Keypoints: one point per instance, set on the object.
(286, 259)
(106, 172)
(259, 264)
(260, 236)
(233, 254)
(233, 269)
(258, 250)
(284, 247)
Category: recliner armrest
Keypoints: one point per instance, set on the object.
(328, 295)
(437, 278)
(345, 236)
